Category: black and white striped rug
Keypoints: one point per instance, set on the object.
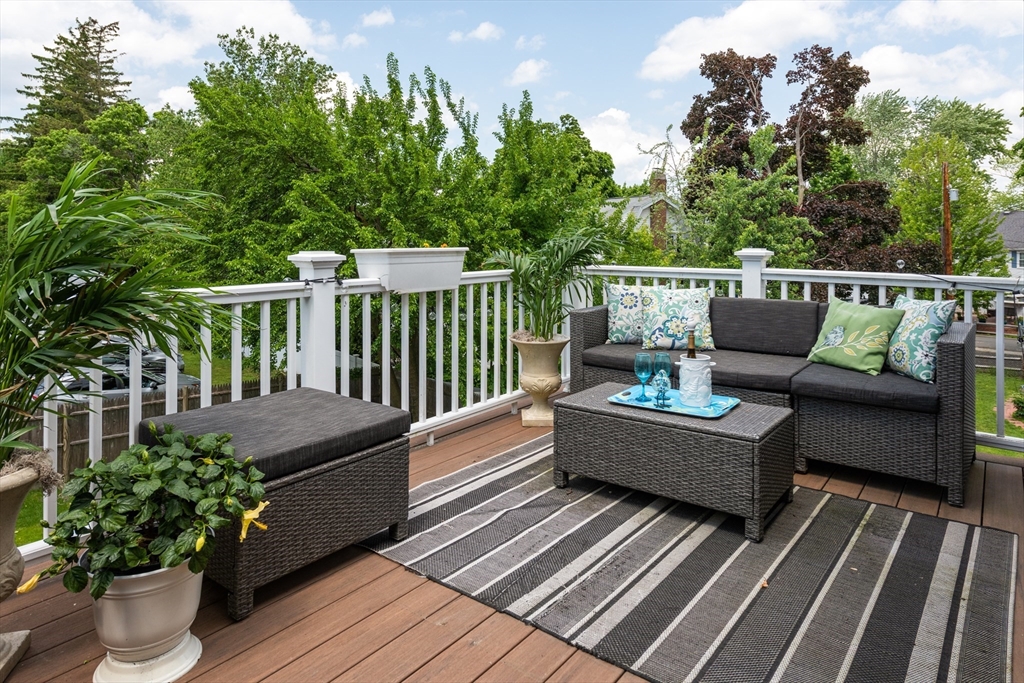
(838, 590)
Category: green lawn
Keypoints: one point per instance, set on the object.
(985, 404)
(221, 368)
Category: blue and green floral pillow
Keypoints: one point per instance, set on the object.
(625, 313)
(666, 312)
(913, 345)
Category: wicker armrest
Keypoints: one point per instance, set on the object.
(588, 327)
(954, 379)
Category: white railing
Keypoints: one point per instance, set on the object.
(334, 330)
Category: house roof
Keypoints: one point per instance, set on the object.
(633, 205)
(1011, 227)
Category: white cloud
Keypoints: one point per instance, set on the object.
(994, 18)
(535, 43)
(656, 94)
(178, 96)
(484, 32)
(751, 28)
(560, 95)
(611, 132)
(530, 71)
(1010, 102)
(353, 40)
(961, 71)
(379, 17)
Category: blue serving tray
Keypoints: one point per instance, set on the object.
(720, 405)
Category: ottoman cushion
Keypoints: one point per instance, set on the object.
(291, 430)
(885, 390)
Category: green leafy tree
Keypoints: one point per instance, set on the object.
(981, 129)
(977, 248)
(890, 119)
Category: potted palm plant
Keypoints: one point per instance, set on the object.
(138, 532)
(72, 279)
(540, 280)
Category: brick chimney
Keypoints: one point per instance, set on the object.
(659, 210)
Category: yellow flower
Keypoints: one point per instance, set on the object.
(208, 461)
(200, 542)
(249, 517)
(28, 585)
(444, 245)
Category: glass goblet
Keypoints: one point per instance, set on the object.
(663, 361)
(643, 368)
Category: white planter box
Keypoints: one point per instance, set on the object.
(412, 270)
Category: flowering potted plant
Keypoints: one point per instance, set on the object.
(139, 532)
(422, 269)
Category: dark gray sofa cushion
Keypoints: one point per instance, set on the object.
(785, 328)
(291, 430)
(885, 390)
(758, 371)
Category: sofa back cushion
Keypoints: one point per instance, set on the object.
(785, 328)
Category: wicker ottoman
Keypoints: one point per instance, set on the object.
(741, 463)
(337, 471)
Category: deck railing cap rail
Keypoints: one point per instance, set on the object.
(667, 272)
(922, 280)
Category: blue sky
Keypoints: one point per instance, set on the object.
(625, 70)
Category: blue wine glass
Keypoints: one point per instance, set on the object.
(642, 367)
(663, 361)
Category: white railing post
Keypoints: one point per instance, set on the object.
(318, 268)
(754, 261)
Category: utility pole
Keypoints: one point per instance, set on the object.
(947, 223)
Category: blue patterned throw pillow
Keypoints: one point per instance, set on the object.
(913, 345)
(625, 313)
(666, 312)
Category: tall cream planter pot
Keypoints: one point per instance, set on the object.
(143, 621)
(13, 489)
(539, 376)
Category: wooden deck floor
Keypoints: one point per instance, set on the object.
(355, 616)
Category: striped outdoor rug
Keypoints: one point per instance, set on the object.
(839, 589)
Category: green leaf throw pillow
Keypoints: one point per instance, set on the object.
(855, 337)
(666, 312)
(625, 313)
(913, 345)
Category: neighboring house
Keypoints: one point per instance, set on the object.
(651, 211)
(1011, 227)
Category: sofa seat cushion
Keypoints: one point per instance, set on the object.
(759, 371)
(884, 390)
(291, 430)
(614, 356)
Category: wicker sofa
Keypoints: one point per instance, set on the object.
(886, 423)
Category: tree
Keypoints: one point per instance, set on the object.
(75, 81)
(981, 129)
(819, 119)
(890, 119)
(732, 109)
(977, 248)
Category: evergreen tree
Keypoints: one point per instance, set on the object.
(75, 81)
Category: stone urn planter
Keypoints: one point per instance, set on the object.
(143, 621)
(13, 489)
(540, 377)
(412, 270)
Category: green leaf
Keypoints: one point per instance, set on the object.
(207, 505)
(112, 522)
(76, 579)
(160, 544)
(101, 581)
(146, 488)
(178, 488)
(170, 558)
(186, 466)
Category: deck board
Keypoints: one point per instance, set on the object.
(358, 616)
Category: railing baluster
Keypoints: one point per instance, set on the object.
(831, 290)
(438, 353)
(656, 281)
(405, 352)
(344, 348)
(509, 303)
(171, 379)
(455, 349)
(732, 289)
(856, 294)
(1000, 365)
(910, 293)
(693, 284)
(290, 344)
(367, 352)
(496, 351)
(134, 390)
(265, 350)
(938, 294)
(421, 369)
(51, 442)
(784, 290)
(236, 352)
(712, 286)
(206, 363)
(470, 359)
(968, 306)
(807, 291)
(483, 342)
(96, 416)
(881, 295)
(385, 349)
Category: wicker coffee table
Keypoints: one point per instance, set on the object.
(741, 463)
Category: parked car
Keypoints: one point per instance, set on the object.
(115, 382)
(152, 359)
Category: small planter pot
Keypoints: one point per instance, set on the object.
(143, 621)
(412, 270)
(540, 378)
